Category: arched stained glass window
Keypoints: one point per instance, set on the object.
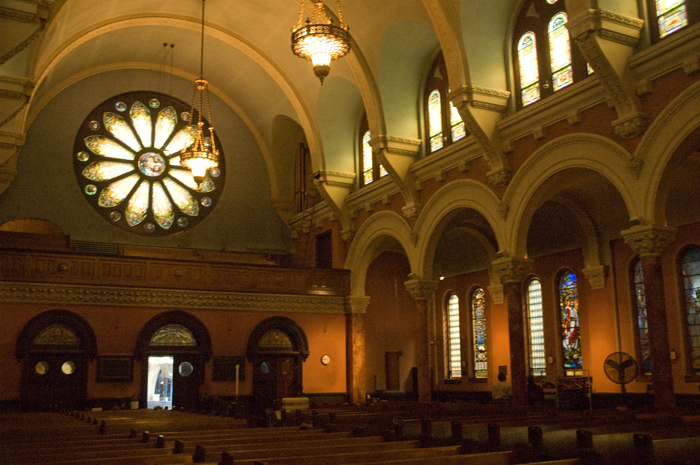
(57, 334)
(690, 265)
(479, 333)
(435, 120)
(127, 163)
(529, 70)
(560, 52)
(640, 310)
(535, 323)
(173, 335)
(571, 330)
(454, 349)
(671, 16)
(367, 164)
(275, 339)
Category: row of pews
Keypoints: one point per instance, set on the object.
(410, 433)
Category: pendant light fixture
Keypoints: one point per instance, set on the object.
(320, 40)
(203, 154)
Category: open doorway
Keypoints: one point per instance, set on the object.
(160, 382)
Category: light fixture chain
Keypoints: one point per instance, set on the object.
(301, 14)
(340, 14)
(201, 54)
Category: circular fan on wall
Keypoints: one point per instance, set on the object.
(126, 159)
(620, 368)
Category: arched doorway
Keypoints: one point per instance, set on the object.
(173, 347)
(55, 348)
(277, 347)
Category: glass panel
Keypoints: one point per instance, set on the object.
(435, 120)
(165, 124)
(560, 52)
(100, 145)
(206, 186)
(121, 130)
(640, 304)
(529, 72)
(185, 177)
(141, 119)
(382, 171)
(538, 366)
(57, 335)
(458, 128)
(182, 198)
(68, 368)
(138, 204)
(367, 168)
(673, 16)
(41, 368)
(185, 369)
(173, 335)
(479, 322)
(454, 344)
(568, 307)
(691, 285)
(162, 208)
(106, 170)
(275, 339)
(182, 139)
(115, 193)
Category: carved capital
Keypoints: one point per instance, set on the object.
(348, 235)
(356, 303)
(630, 126)
(512, 271)
(412, 211)
(595, 276)
(499, 177)
(649, 240)
(420, 289)
(496, 292)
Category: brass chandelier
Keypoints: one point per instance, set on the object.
(203, 154)
(319, 40)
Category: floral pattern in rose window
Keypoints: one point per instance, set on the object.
(127, 162)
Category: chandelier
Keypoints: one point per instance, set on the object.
(203, 154)
(320, 40)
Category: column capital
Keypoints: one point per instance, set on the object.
(649, 240)
(512, 270)
(420, 289)
(356, 303)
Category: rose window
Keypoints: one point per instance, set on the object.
(127, 162)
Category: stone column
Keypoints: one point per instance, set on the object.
(422, 291)
(649, 242)
(356, 307)
(513, 273)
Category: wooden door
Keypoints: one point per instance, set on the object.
(51, 381)
(188, 373)
(275, 377)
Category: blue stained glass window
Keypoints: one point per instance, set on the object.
(454, 349)
(640, 308)
(479, 333)
(535, 321)
(671, 16)
(691, 285)
(570, 327)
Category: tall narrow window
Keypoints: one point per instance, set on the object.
(640, 310)
(367, 162)
(571, 331)
(479, 333)
(691, 285)
(529, 70)
(535, 324)
(560, 52)
(443, 122)
(435, 120)
(454, 362)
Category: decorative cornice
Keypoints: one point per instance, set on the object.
(649, 240)
(356, 304)
(420, 289)
(56, 294)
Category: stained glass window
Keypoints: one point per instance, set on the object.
(529, 71)
(560, 52)
(435, 120)
(459, 131)
(479, 333)
(367, 165)
(691, 285)
(127, 163)
(453, 344)
(535, 323)
(57, 335)
(173, 335)
(640, 310)
(671, 16)
(570, 328)
(275, 339)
